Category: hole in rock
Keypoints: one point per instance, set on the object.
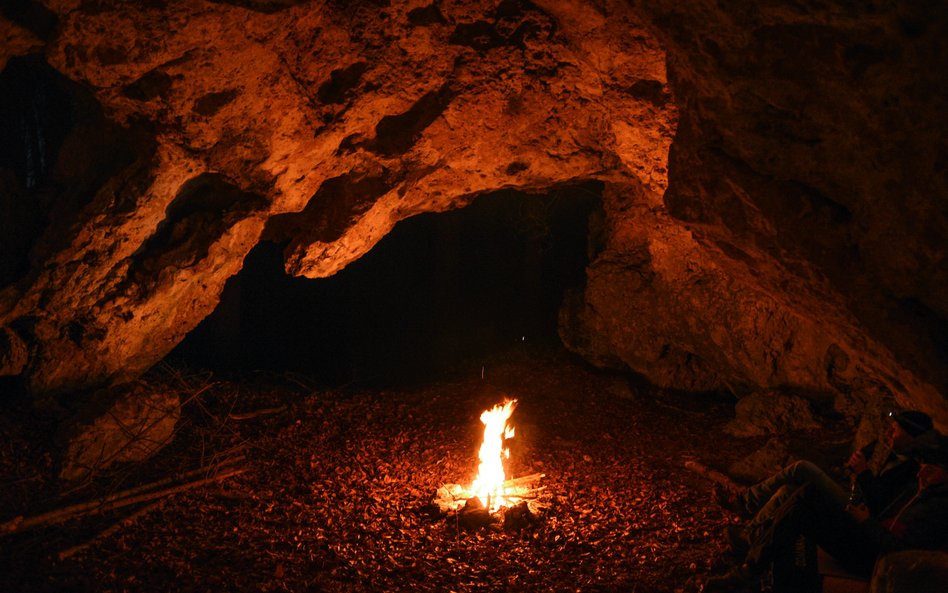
(439, 293)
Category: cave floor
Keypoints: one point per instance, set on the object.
(337, 483)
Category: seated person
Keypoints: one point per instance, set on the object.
(850, 534)
(894, 481)
(881, 490)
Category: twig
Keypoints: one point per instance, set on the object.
(183, 476)
(257, 413)
(125, 522)
(294, 378)
(115, 501)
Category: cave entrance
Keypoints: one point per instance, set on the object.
(440, 292)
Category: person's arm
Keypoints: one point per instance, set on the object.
(881, 491)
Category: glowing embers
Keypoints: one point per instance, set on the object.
(492, 495)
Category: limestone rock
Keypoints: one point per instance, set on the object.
(771, 219)
(771, 413)
(15, 40)
(13, 354)
(122, 425)
(309, 124)
(764, 462)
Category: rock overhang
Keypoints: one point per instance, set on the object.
(336, 122)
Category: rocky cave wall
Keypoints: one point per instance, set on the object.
(774, 176)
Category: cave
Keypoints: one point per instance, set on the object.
(269, 269)
(440, 294)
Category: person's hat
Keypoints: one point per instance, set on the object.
(912, 421)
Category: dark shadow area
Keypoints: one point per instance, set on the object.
(36, 114)
(57, 150)
(205, 208)
(440, 292)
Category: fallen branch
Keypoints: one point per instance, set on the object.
(125, 522)
(207, 470)
(713, 475)
(114, 501)
(257, 413)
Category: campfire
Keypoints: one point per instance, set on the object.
(492, 496)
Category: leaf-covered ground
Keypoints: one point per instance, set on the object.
(338, 484)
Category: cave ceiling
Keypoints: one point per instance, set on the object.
(774, 189)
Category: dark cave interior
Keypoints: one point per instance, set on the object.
(439, 293)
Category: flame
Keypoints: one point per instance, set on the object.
(489, 484)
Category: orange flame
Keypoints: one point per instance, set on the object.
(489, 484)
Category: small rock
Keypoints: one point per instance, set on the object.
(125, 424)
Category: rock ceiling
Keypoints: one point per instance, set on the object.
(774, 198)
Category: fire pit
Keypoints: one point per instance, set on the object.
(492, 498)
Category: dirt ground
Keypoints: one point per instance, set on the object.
(336, 488)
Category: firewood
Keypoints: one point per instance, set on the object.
(474, 515)
(527, 494)
(518, 516)
(523, 480)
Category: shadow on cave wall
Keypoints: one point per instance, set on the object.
(439, 293)
(57, 150)
(36, 114)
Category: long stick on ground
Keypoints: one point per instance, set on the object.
(176, 478)
(256, 413)
(125, 522)
(713, 475)
(115, 501)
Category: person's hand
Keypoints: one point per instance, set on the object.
(859, 512)
(857, 463)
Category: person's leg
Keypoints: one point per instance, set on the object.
(762, 499)
(818, 515)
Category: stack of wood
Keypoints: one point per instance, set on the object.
(473, 513)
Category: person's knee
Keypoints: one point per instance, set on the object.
(804, 471)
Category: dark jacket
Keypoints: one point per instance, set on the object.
(922, 524)
(887, 492)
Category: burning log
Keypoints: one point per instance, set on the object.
(454, 497)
